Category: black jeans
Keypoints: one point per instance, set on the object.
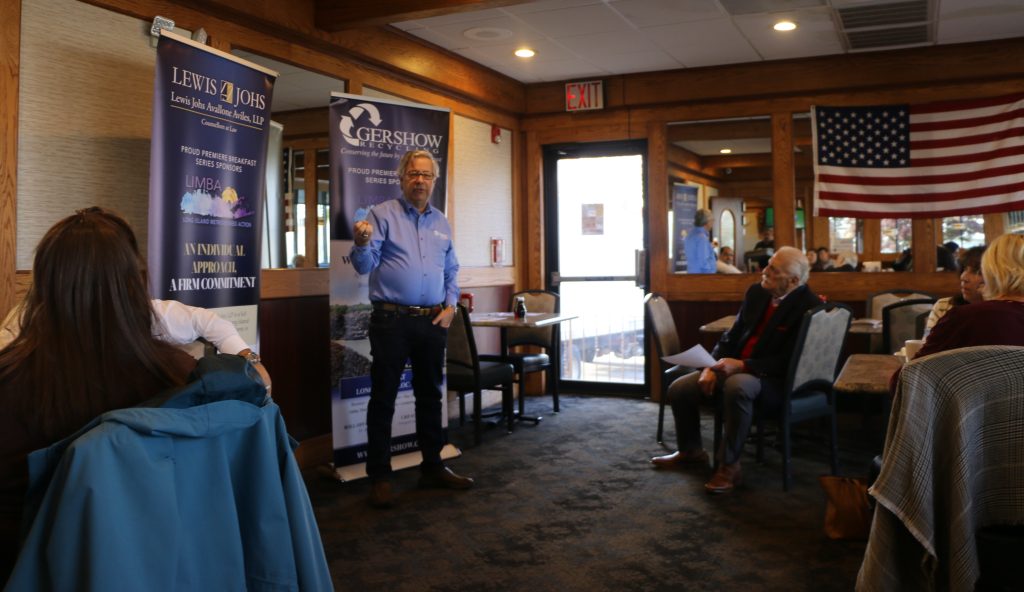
(395, 338)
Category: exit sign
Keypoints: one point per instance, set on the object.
(584, 96)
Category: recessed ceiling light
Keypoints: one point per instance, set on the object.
(525, 52)
(784, 26)
(725, 151)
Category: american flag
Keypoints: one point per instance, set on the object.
(919, 161)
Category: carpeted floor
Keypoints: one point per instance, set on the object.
(573, 504)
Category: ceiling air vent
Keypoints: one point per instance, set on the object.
(884, 15)
(895, 24)
(876, 38)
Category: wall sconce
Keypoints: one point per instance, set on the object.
(495, 134)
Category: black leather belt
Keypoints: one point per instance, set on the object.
(415, 311)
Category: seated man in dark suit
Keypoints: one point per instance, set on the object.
(753, 358)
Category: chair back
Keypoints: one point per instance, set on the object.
(819, 343)
(879, 300)
(951, 463)
(662, 325)
(536, 301)
(899, 322)
(461, 344)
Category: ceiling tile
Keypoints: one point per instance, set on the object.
(815, 34)
(521, 32)
(706, 43)
(647, 13)
(581, 20)
(546, 51)
(639, 61)
(440, 39)
(962, 21)
(603, 44)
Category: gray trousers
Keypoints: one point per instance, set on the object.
(738, 393)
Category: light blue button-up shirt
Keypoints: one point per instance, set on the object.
(410, 257)
(700, 255)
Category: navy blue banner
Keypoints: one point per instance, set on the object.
(368, 138)
(684, 208)
(211, 113)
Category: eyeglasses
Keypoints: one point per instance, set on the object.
(427, 176)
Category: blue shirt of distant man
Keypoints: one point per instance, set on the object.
(700, 255)
(405, 245)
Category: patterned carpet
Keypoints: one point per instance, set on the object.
(573, 504)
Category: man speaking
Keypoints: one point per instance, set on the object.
(406, 247)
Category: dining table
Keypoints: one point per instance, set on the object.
(865, 377)
(508, 320)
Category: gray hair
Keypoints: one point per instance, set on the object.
(702, 217)
(792, 261)
(403, 165)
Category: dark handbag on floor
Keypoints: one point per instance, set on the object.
(847, 508)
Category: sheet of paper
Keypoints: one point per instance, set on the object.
(695, 357)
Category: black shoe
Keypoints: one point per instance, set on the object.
(444, 478)
(381, 495)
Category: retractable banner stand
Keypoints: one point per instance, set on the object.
(211, 115)
(368, 138)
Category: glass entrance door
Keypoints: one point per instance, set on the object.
(595, 197)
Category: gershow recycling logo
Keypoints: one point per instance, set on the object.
(360, 127)
(348, 122)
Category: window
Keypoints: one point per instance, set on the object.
(896, 234)
(966, 231)
(843, 235)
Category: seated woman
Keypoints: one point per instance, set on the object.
(999, 319)
(824, 262)
(971, 284)
(86, 345)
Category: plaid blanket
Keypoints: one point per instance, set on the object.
(953, 462)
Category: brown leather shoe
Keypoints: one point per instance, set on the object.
(681, 457)
(725, 479)
(444, 479)
(381, 495)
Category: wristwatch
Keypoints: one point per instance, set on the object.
(253, 358)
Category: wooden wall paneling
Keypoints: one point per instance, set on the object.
(10, 52)
(995, 226)
(530, 246)
(871, 245)
(838, 286)
(924, 245)
(294, 283)
(657, 207)
(960, 64)
(470, 89)
(304, 124)
(295, 347)
(519, 244)
(373, 49)
(783, 179)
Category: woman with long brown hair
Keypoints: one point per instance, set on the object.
(86, 345)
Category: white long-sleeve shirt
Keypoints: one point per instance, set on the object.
(175, 323)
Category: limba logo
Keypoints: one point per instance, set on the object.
(360, 127)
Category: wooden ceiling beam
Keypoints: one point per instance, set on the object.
(339, 15)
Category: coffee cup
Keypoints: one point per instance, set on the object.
(911, 347)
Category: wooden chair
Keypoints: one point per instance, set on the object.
(468, 374)
(666, 343)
